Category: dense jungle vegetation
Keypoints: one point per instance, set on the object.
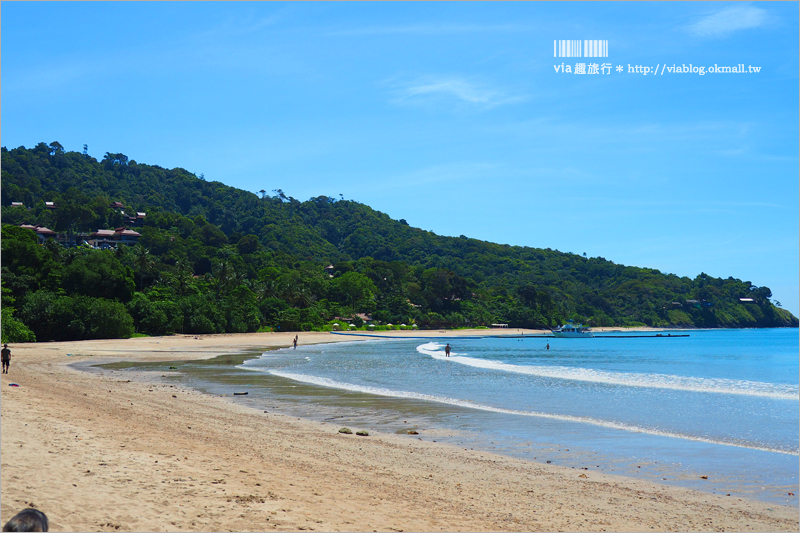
(213, 259)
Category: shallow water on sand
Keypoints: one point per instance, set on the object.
(720, 403)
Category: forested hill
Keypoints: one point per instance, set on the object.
(203, 241)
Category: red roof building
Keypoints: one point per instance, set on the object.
(42, 232)
(111, 238)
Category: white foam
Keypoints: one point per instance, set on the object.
(379, 391)
(632, 379)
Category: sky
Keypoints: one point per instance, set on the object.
(454, 116)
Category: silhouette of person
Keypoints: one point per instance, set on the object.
(547, 347)
(447, 350)
(6, 357)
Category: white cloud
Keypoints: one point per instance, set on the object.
(37, 78)
(728, 20)
(449, 91)
(243, 25)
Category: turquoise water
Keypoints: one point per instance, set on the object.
(720, 403)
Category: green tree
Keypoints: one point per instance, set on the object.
(354, 288)
(13, 330)
(247, 244)
(26, 265)
(241, 311)
(61, 317)
(155, 317)
(72, 218)
(201, 314)
(142, 262)
(98, 273)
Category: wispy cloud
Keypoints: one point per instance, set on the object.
(444, 174)
(688, 205)
(429, 29)
(35, 78)
(451, 91)
(243, 25)
(728, 20)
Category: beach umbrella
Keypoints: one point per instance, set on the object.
(352, 325)
(413, 325)
(402, 324)
(372, 325)
(389, 324)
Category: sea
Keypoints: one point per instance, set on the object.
(717, 410)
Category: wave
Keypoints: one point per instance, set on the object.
(379, 391)
(632, 379)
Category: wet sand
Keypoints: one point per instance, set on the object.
(122, 451)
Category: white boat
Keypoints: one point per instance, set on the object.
(570, 330)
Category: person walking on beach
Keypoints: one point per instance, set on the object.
(294, 342)
(447, 350)
(6, 356)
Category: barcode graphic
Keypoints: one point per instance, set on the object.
(567, 48)
(578, 48)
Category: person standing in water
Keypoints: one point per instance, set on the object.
(294, 342)
(547, 347)
(447, 350)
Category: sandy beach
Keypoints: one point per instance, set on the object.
(126, 451)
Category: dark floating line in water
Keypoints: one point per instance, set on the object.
(404, 337)
(639, 336)
(600, 336)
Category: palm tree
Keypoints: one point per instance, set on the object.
(183, 276)
(142, 261)
(224, 275)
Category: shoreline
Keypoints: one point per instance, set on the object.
(153, 456)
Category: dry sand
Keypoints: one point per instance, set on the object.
(97, 452)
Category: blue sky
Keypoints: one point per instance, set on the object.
(449, 115)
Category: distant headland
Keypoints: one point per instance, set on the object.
(115, 248)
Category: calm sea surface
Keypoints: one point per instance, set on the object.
(720, 403)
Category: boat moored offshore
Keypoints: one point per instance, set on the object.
(571, 330)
